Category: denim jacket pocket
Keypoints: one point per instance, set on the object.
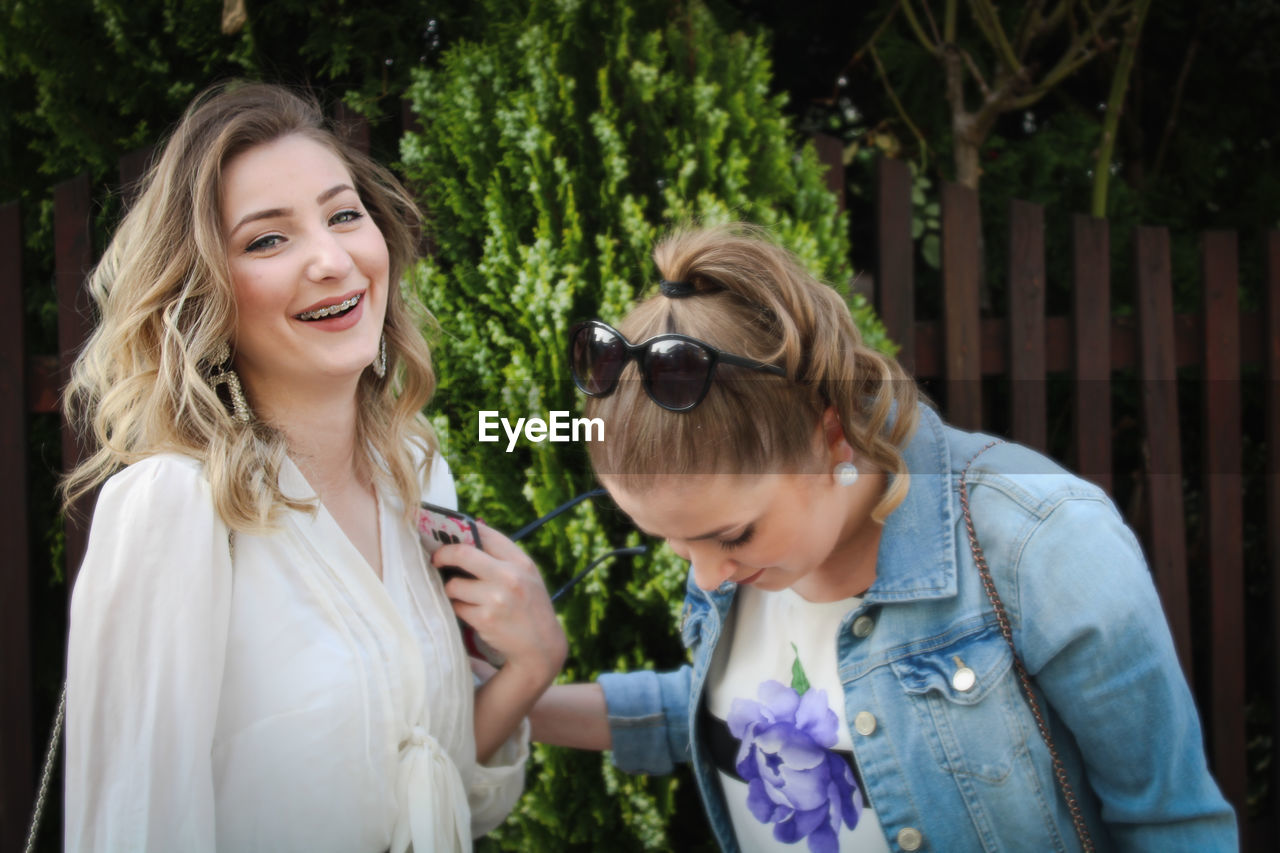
(965, 695)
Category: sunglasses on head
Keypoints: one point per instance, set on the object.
(675, 370)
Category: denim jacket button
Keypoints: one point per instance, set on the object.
(964, 678)
(864, 723)
(863, 626)
(909, 838)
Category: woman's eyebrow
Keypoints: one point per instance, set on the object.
(332, 191)
(272, 213)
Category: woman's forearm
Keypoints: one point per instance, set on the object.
(573, 715)
(501, 702)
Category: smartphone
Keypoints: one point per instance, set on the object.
(438, 525)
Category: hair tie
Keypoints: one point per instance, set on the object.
(676, 289)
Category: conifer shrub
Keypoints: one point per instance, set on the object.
(552, 153)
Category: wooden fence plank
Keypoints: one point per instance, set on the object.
(1026, 324)
(895, 257)
(133, 168)
(961, 269)
(830, 151)
(1224, 511)
(1271, 363)
(1091, 347)
(1166, 535)
(15, 640)
(73, 247)
(352, 125)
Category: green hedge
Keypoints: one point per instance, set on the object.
(554, 151)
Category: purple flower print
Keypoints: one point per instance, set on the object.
(794, 780)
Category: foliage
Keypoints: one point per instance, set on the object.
(554, 151)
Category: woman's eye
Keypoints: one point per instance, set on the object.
(344, 216)
(742, 539)
(267, 241)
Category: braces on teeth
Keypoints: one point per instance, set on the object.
(321, 313)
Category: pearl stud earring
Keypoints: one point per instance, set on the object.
(845, 473)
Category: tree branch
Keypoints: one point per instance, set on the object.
(933, 24)
(902, 112)
(1028, 27)
(977, 74)
(988, 20)
(916, 28)
(1176, 106)
(1115, 102)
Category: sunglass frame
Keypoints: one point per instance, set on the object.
(639, 352)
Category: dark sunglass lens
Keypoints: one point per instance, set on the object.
(598, 356)
(677, 373)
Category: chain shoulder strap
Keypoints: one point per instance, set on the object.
(46, 777)
(1024, 678)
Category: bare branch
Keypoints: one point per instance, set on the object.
(1115, 105)
(916, 28)
(1054, 19)
(1176, 106)
(888, 19)
(949, 22)
(933, 24)
(988, 20)
(902, 112)
(977, 74)
(1028, 26)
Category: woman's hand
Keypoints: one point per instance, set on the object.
(507, 604)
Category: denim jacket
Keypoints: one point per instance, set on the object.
(952, 769)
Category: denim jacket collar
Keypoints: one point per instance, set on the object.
(919, 537)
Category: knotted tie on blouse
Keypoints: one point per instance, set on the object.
(434, 814)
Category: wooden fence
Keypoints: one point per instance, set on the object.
(1021, 349)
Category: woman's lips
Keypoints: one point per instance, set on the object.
(337, 322)
(323, 310)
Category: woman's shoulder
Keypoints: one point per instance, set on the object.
(1020, 475)
(436, 475)
(159, 477)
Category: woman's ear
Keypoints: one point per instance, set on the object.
(833, 439)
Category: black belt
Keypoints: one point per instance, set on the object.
(723, 747)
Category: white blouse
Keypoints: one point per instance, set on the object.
(273, 695)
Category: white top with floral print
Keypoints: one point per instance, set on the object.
(775, 683)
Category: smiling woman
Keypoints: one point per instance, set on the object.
(262, 656)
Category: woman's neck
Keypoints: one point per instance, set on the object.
(321, 436)
(850, 569)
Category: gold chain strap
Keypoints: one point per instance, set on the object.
(1024, 678)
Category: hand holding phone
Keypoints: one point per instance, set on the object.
(438, 525)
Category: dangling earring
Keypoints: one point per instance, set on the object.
(845, 473)
(380, 363)
(223, 374)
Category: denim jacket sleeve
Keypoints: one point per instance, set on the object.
(1090, 628)
(648, 718)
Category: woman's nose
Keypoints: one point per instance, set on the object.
(330, 259)
(711, 569)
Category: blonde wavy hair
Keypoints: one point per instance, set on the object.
(164, 296)
(753, 298)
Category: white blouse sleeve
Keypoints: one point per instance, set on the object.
(148, 638)
(493, 787)
(497, 784)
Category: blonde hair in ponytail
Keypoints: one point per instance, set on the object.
(165, 301)
(753, 298)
